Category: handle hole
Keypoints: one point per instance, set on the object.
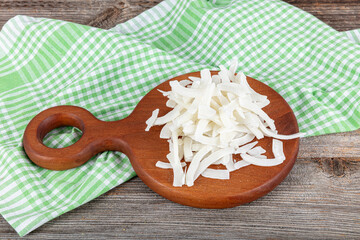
(62, 137)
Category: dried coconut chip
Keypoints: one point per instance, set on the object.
(214, 117)
(216, 173)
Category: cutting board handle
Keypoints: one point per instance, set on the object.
(90, 143)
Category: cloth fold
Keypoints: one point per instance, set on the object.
(45, 63)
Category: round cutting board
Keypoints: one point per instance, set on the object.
(245, 185)
(144, 149)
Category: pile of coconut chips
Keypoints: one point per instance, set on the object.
(214, 117)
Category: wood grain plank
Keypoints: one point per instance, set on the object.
(342, 15)
(339, 145)
(104, 13)
(79, 11)
(309, 204)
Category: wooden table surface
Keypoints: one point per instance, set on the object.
(320, 199)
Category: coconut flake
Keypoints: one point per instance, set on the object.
(185, 82)
(270, 133)
(260, 161)
(277, 148)
(257, 151)
(168, 117)
(241, 164)
(206, 162)
(150, 122)
(167, 165)
(246, 148)
(194, 165)
(216, 173)
(214, 117)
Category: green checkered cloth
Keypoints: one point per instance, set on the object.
(45, 63)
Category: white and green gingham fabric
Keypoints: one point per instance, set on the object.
(45, 63)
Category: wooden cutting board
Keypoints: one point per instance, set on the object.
(144, 149)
